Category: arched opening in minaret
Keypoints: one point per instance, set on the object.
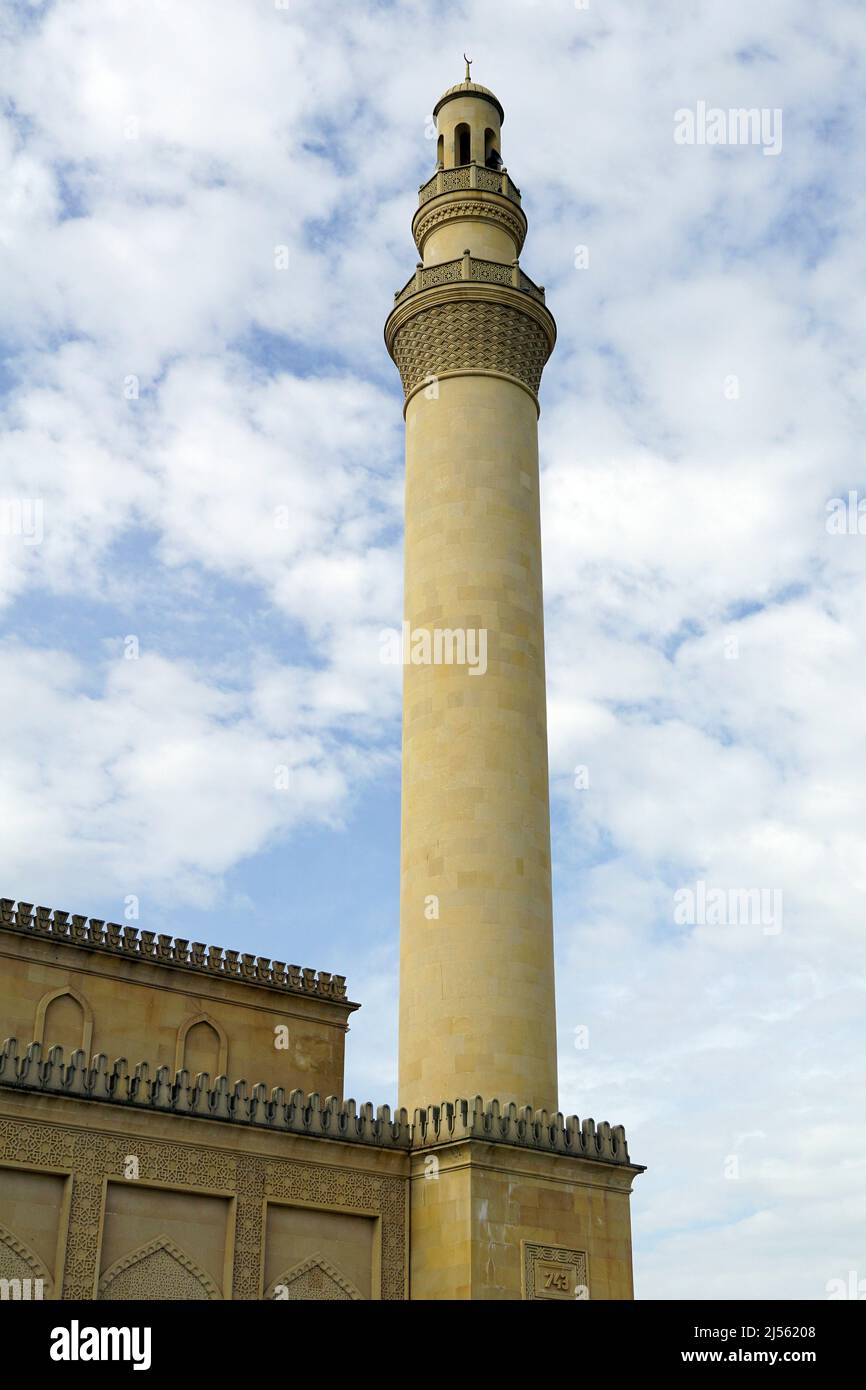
(462, 144)
(440, 151)
(492, 157)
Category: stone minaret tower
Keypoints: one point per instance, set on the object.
(470, 334)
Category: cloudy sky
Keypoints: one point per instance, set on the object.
(204, 213)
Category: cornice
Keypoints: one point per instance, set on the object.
(469, 291)
(469, 205)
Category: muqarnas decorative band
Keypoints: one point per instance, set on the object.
(471, 334)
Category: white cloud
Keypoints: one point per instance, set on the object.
(157, 775)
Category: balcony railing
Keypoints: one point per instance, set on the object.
(469, 176)
(470, 268)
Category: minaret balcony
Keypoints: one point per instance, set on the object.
(470, 315)
(469, 268)
(469, 176)
(470, 193)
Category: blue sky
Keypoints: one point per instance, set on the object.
(704, 630)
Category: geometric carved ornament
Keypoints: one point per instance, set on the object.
(470, 335)
(313, 1280)
(17, 1261)
(93, 1156)
(160, 1270)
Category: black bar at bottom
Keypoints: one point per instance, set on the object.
(59, 1339)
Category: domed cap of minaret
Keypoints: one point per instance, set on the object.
(468, 88)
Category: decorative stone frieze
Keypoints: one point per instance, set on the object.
(482, 332)
(483, 209)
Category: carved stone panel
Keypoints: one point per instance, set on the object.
(209, 1172)
(471, 336)
(314, 1280)
(19, 1262)
(158, 1270)
(554, 1272)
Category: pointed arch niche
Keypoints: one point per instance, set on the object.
(202, 1045)
(63, 1016)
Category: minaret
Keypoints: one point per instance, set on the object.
(470, 334)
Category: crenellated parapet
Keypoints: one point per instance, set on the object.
(143, 1087)
(112, 938)
(520, 1126)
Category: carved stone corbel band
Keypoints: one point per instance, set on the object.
(470, 327)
